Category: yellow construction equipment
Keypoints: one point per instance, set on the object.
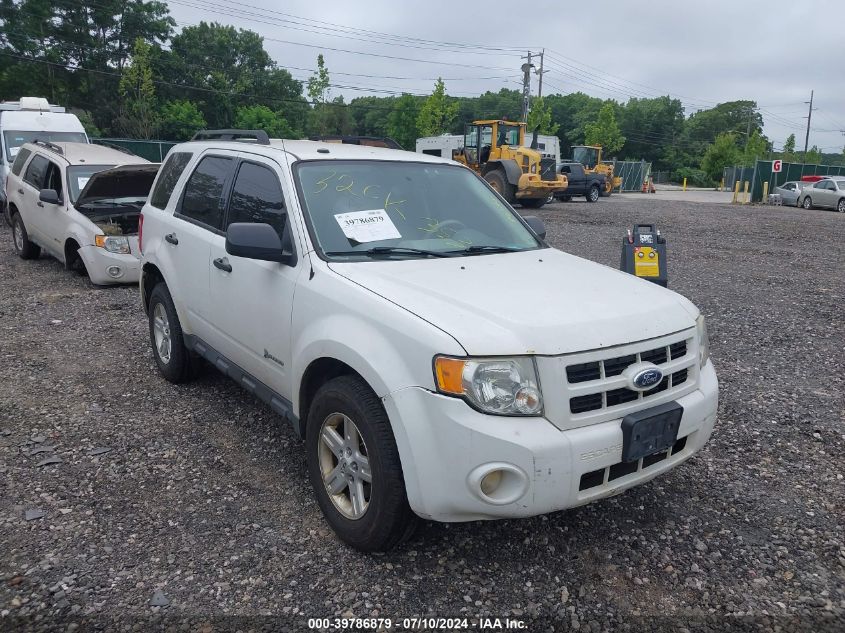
(493, 149)
(590, 157)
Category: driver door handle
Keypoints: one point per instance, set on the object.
(223, 264)
(171, 238)
(20, 191)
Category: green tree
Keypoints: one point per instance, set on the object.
(222, 69)
(605, 131)
(788, 154)
(139, 116)
(87, 122)
(402, 122)
(651, 128)
(323, 118)
(755, 148)
(813, 156)
(259, 117)
(722, 153)
(437, 112)
(319, 82)
(540, 118)
(180, 120)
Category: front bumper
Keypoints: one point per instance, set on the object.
(98, 261)
(446, 447)
(532, 186)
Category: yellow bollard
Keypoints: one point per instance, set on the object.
(722, 185)
(766, 192)
(736, 192)
(685, 184)
(745, 195)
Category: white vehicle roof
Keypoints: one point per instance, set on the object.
(88, 154)
(38, 121)
(316, 150)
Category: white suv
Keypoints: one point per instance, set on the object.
(437, 356)
(81, 203)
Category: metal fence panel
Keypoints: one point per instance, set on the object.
(789, 171)
(632, 172)
(153, 151)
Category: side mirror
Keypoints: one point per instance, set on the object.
(256, 241)
(50, 196)
(537, 225)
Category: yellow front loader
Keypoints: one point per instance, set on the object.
(590, 157)
(494, 150)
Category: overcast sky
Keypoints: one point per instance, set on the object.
(703, 53)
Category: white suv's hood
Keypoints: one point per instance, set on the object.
(534, 302)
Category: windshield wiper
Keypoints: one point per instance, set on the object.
(487, 248)
(392, 250)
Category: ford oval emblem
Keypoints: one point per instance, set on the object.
(647, 378)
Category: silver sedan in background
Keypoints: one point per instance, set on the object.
(829, 193)
(789, 191)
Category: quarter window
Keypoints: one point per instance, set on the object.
(36, 171)
(170, 172)
(203, 199)
(20, 161)
(257, 197)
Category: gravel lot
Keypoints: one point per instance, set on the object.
(197, 496)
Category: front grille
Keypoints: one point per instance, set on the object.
(548, 169)
(609, 368)
(596, 478)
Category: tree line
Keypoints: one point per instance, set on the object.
(125, 70)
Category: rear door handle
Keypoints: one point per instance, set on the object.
(223, 264)
(171, 238)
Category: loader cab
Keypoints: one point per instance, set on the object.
(483, 139)
(587, 155)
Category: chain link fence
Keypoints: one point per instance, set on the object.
(632, 172)
(762, 172)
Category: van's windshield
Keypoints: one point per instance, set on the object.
(13, 139)
(366, 209)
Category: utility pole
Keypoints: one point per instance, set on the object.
(809, 117)
(526, 86)
(541, 72)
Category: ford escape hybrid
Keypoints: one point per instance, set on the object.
(439, 359)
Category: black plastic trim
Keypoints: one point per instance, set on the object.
(274, 400)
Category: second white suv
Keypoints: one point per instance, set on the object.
(438, 357)
(81, 204)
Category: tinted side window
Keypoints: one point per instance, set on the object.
(203, 199)
(20, 160)
(36, 171)
(170, 172)
(257, 197)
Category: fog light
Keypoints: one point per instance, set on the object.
(491, 482)
(114, 271)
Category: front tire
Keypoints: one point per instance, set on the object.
(841, 206)
(23, 247)
(593, 194)
(354, 466)
(808, 203)
(174, 360)
(496, 179)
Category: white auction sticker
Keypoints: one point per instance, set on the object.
(13, 151)
(367, 226)
(82, 181)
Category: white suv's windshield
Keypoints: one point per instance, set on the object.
(402, 209)
(15, 138)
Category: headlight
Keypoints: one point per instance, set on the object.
(112, 243)
(703, 340)
(502, 386)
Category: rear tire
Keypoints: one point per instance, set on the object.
(593, 194)
(841, 206)
(23, 247)
(808, 203)
(348, 435)
(497, 179)
(533, 203)
(175, 362)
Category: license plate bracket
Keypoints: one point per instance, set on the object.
(650, 431)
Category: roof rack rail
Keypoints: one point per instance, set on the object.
(114, 146)
(245, 136)
(47, 144)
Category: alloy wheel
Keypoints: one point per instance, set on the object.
(161, 333)
(18, 231)
(345, 465)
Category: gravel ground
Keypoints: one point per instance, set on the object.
(189, 508)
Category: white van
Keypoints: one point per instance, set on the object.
(25, 120)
